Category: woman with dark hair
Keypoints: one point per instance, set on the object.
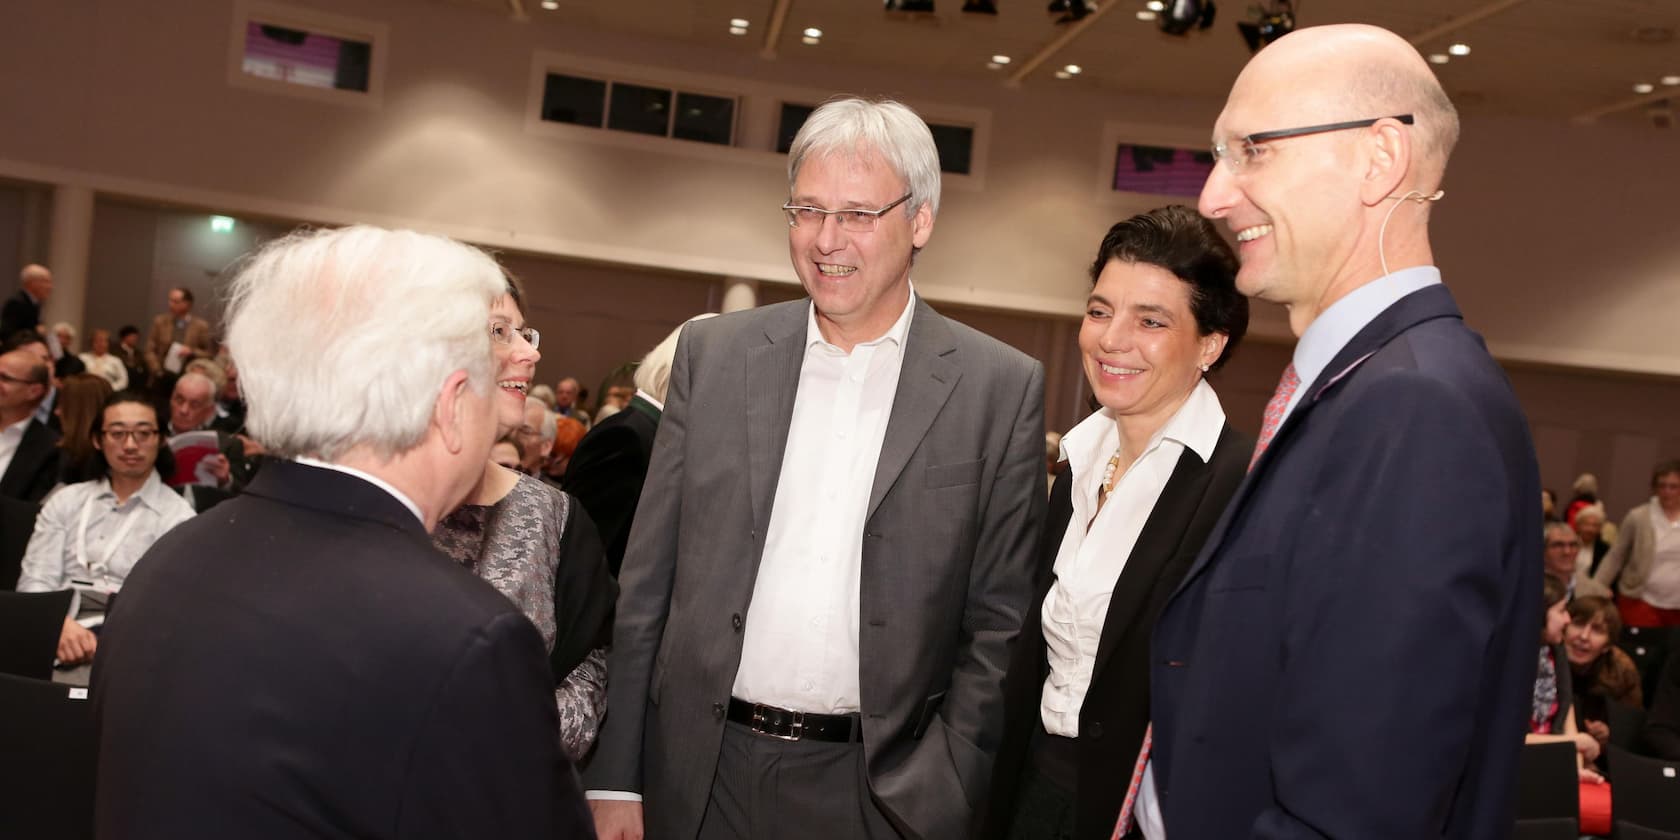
(1553, 715)
(537, 546)
(91, 533)
(1148, 475)
(1644, 563)
(81, 399)
(1601, 671)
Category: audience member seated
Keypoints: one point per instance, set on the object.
(1646, 555)
(1589, 526)
(1585, 488)
(81, 402)
(101, 362)
(191, 408)
(1662, 721)
(568, 399)
(1563, 550)
(63, 349)
(90, 534)
(29, 450)
(537, 546)
(230, 404)
(611, 462)
(23, 310)
(1600, 672)
(34, 344)
(1553, 715)
(128, 349)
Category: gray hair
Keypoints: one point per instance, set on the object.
(858, 128)
(344, 337)
(653, 375)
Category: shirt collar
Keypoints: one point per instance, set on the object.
(369, 478)
(1331, 331)
(150, 493)
(895, 333)
(1196, 425)
(19, 427)
(648, 398)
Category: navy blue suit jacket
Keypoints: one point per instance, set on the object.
(1352, 654)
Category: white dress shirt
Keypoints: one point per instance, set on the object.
(1337, 325)
(800, 649)
(11, 438)
(108, 366)
(369, 478)
(83, 534)
(1089, 563)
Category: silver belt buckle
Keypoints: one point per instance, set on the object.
(759, 724)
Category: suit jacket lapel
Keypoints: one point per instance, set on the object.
(926, 378)
(772, 382)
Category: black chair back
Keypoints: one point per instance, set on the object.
(30, 623)
(1647, 793)
(47, 743)
(1548, 799)
(1648, 648)
(1627, 725)
(17, 523)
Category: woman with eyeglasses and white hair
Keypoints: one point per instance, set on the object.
(536, 545)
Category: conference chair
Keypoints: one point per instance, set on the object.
(49, 757)
(1548, 799)
(1647, 795)
(30, 623)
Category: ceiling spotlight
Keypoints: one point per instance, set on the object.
(813, 32)
(1272, 24)
(1439, 58)
(1073, 69)
(1000, 59)
(1063, 74)
(809, 41)
(1459, 49)
(980, 7)
(1671, 81)
(913, 6)
(737, 30)
(1155, 6)
(742, 23)
(1145, 14)
(1644, 87)
(1070, 10)
(1181, 16)
(551, 5)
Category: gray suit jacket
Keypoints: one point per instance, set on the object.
(957, 504)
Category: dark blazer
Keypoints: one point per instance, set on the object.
(1116, 708)
(300, 661)
(607, 470)
(20, 313)
(951, 525)
(34, 468)
(1352, 654)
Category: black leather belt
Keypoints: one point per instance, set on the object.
(795, 726)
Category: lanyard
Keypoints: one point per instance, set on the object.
(99, 569)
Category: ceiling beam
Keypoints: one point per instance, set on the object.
(1464, 20)
(517, 9)
(773, 32)
(1069, 34)
(1661, 93)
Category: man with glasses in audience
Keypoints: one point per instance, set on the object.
(29, 452)
(1352, 654)
(90, 534)
(1563, 561)
(833, 548)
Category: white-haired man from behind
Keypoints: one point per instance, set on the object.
(300, 660)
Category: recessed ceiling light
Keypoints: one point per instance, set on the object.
(1459, 49)
(1063, 74)
(551, 5)
(1671, 80)
(1155, 6)
(1073, 69)
(992, 65)
(742, 23)
(1644, 87)
(737, 30)
(1000, 59)
(809, 41)
(1439, 58)
(1145, 14)
(813, 32)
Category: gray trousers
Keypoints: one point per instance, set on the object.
(770, 789)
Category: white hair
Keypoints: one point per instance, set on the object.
(344, 337)
(858, 128)
(653, 375)
(549, 424)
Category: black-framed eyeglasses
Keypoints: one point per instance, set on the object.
(1251, 145)
(503, 332)
(141, 436)
(851, 221)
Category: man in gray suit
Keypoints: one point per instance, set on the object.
(832, 553)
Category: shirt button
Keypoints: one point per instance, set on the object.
(1095, 730)
(807, 685)
(735, 621)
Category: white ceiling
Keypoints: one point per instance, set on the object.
(1560, 59)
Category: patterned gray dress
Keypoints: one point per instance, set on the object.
(515, 545)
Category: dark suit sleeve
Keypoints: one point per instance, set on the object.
(1391, 614)
(971, 718)
(644, 594)
(584, 594)
(487, 762)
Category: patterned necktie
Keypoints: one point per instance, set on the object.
(1274, 411)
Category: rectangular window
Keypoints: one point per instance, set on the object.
(1161, 170)
(643, 110)
(954, 142)
(639, 109)
(575, 100)
(301, 57)
(708, 119)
